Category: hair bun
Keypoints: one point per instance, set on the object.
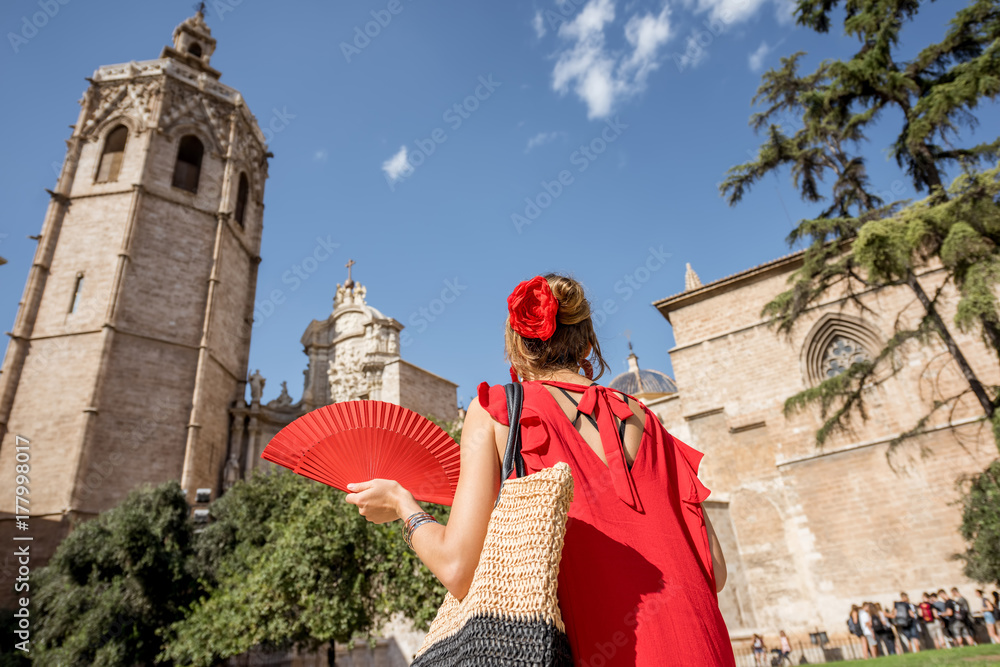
(573, 305)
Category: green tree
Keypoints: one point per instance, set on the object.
(287, 562)
(114, 582)
(981, 526)
(860, 242)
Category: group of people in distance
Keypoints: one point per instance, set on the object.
(781, 654)
(938, 621)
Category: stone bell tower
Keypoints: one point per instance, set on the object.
(132, 337)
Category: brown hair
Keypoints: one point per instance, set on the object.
(574, 344)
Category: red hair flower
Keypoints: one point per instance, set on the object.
(533, 308)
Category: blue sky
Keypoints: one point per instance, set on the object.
(421, 151)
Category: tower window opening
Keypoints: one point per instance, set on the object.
(77, 287)
(112, 155)
(242, 192)
(187, 169)
(195, 49)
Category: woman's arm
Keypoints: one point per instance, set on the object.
(450, 551)
(718, 558)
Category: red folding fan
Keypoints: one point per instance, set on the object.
(357, 441)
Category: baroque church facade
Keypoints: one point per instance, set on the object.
(128, 359)
(354, 354)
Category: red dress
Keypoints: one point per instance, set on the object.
(636, 585)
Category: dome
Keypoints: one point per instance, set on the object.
(653, 382)
(640, 381)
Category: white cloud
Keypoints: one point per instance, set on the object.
(320, 155)
(730, 11)
(540, 139)
(724, 13)
(538, 23)
(694, 53)
(598, 75)
(785, 12)
(646, 34)
(397, 166)
(756, 59)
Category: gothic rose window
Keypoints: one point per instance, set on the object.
(835, 342)
(841, 354)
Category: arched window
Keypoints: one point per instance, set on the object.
(195, 49)
(834, 344)
(112, 155)
(77, 287)
(241, 199)
(188, 165)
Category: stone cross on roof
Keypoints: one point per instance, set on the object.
(350, 282)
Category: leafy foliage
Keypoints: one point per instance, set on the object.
(981, 526)
(859, 242)
(116, 580)
(287, 562)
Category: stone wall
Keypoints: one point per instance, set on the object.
(426, 393)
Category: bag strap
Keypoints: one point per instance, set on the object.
(512, 459)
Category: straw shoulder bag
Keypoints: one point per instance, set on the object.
(510, 615)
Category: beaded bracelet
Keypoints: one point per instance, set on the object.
(413, 522)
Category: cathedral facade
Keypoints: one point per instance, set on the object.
(808, 531)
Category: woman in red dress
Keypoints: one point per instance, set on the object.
(641, 565)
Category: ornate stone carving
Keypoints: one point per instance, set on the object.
(184, 106)
(347, 380)
(256, 386)
(382, 339)
(350, 295)
(248, 151)
(133, 98)
(231, 473)
(283, 400)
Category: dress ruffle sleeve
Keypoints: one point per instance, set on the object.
(688, 460)
(494, 401)
(692, 493)
(535, 437)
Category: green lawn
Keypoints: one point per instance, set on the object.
(987, 654)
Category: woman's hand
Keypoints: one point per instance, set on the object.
(450, 551)
(379, 500)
